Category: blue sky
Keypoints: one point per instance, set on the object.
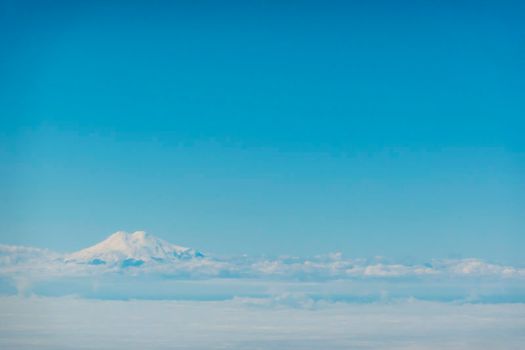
(253, 127)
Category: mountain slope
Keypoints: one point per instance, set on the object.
(132, 249)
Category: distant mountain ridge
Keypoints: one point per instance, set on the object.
(132, 249)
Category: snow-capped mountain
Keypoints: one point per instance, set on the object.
(132, 249)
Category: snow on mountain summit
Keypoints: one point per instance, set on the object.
(132, 249)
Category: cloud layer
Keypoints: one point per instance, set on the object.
(275, 323)
(330, 277)
(34, 261)
(169, 300)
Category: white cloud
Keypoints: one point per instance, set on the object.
(282, 322)
(139, 253)
(26, 270)
(42, 263)
(468, 267)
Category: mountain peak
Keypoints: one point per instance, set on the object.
(139, 234)
(133, 249)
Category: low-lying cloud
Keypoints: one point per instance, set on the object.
(284, 322)
(27, 261)
(332, 277)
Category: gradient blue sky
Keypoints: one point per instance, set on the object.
(393, 128)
